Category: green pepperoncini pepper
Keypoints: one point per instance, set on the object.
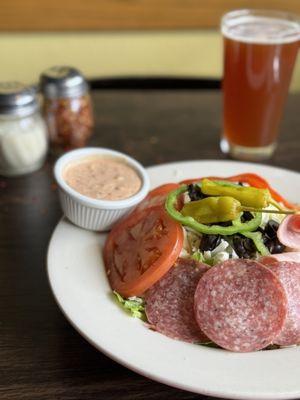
(237, 225)
(213, 209)
(248, 196)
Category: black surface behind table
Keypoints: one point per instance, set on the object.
(41, 355)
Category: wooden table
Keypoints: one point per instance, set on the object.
(41, 355)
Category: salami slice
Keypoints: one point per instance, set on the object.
(289, 275)
(240, 305)
(292, 256)
(170, 302)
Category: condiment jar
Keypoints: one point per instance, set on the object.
(67, 107)
(23, 133)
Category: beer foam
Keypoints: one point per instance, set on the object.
(260, 29)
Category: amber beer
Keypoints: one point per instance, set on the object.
(260, 51)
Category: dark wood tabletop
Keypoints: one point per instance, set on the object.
(41, 355)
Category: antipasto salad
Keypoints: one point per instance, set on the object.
(212, 261)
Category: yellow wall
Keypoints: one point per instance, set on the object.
(191, 53)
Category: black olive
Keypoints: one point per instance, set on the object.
(269, 236)
(249, 246)
(195, 192)
(278, 247)
(246, 216)
(209, 242)
(244, 247)
(271, 229)
(265, 239)
(274, 246)
(226, 223)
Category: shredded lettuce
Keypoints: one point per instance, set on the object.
(224, 251)
(266, 217)
(198, 256)
(134, 305)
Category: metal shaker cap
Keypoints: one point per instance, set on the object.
(17, 99)
(62, 81)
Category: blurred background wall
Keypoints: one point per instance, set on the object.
(107, 38)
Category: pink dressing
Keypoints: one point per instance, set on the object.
(103, 178)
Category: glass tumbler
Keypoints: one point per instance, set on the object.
(260, 50)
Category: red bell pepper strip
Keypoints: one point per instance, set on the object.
(252, 180)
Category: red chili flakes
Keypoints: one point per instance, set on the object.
(70, 121)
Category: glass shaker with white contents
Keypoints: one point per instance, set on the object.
(23, 133)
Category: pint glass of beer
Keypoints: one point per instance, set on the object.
(260, 50)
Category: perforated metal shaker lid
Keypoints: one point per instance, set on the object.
(17, 99)
(62, 81)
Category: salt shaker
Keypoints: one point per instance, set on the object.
(67, 107)
(23, 133)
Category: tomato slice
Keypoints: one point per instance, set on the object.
(157, 196)
(260, 183)
(141, 249)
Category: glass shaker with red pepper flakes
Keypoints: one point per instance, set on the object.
(67, 107)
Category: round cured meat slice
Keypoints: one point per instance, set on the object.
(289, 275)
(291, 256)
(170, 302)
(240, 305)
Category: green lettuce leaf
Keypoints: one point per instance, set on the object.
(133, 305)
(198, 256)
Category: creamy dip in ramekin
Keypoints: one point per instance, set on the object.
(98, 186)
(103, 178)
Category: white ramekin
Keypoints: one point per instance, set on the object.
(93, 214)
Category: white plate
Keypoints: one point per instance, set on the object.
(79, 284)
